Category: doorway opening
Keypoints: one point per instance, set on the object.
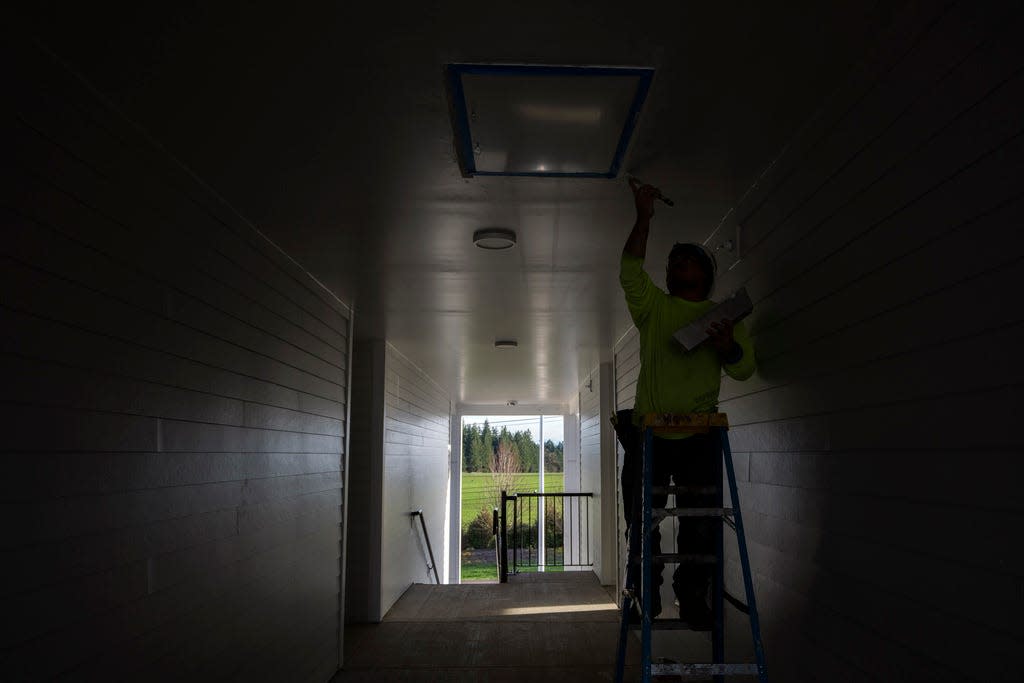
(503, 453)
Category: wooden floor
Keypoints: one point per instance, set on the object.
(538, 628)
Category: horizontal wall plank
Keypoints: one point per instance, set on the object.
(943, 584)
(922, 73)
(262, 416)
(909, 26)
(161, 621)
(846, 325)
(405, 413)
(400, 450)
(399, 423)
(41, 293)
(261, 527)
(60, 606)
(36, 476)
(161, 287)
(942, 642)
(424, 396)
(177, 435)
(921, 475)
(66, 518)
(174, 410)
(813, 617)
(33, 429)
(879, 251)
(180, 202)
(870, 384)
(52, 384)
(63, 559)
(917, 527)
(54, 342)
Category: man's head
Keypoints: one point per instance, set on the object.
(690, 272)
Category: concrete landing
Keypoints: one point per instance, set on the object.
(538, 628)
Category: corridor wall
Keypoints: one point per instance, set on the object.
(173, 420)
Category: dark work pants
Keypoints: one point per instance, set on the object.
(689, 462)
(694, 461)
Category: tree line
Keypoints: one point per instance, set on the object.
(488, 449)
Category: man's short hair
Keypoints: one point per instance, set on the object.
(702, 256)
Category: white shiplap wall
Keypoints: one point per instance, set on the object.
(879, 444)
(173, 414)
(417, 414)
(590, 455)
(597, 467)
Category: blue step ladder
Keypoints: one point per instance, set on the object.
(639, 566)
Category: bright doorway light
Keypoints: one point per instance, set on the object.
(503, 453)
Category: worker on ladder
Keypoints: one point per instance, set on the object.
(674, 380)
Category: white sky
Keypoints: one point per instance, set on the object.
(553, 427)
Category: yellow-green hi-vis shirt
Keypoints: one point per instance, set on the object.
(672, 379)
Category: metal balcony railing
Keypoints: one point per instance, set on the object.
(562, 518)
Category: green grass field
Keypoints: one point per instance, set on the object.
(480, 493)
(476, 572)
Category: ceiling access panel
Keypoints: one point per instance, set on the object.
(544, 121)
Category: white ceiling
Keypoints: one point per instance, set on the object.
(326, 125)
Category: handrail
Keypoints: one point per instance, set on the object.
(426, 537)
(555, 495)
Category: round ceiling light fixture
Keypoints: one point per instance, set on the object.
(494, 238)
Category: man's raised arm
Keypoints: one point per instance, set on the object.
(643, 196)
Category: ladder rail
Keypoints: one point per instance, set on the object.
(748, 581)
(717, 425)
(645, 534)
(718, 577)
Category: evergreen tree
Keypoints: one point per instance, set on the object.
(482, 447)
(470, 434)
(480, 455)
(554, 456)
(528, 451)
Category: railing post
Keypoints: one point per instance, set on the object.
(516, 540)
(497, 541)
(502, 542)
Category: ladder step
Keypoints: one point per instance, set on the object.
(686, 558)
(694, 490)
(681, 558)
(690, 512)
(671, 625)
(675, 669)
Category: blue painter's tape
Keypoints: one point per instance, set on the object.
(642, 89)
(463, 137)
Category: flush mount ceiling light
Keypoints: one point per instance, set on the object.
(505, 343)
(494, 238)
(542, 120)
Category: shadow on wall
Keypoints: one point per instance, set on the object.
(879, 516)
